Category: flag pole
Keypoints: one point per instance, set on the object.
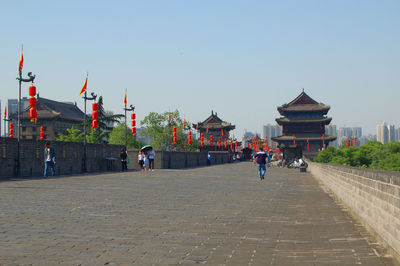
(85, 98)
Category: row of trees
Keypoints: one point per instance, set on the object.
(373, 154)
(157, 127)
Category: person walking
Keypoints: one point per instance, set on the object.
(145, 161)
(124, 155)
(259, 158)
(141, 160)
(49, 160)
(152, 155)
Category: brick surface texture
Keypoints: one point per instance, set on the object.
(217, 215)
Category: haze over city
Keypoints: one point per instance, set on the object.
(241, 59)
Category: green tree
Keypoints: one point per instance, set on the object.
(117, 136)
(73, 135)
(159, 129)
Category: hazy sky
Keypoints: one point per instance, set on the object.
(241, 59)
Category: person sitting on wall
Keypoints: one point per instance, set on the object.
(49, 160)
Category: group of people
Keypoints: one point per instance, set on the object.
(145, 160)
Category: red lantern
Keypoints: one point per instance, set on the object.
(174, 138)
(202, 139)
(133, 123)
(231, 145)
(32, 102)
(95, 115)
(32, 91)
(219, 142)
(95, 124)
(32, 114)
(211, 140)
(42, 133)
(95, 107)
(190, 138)
(11, 133)
(236, 145)
(226, 143)
(308, 144)
(133, 130)
(11, 126)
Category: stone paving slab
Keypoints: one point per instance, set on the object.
(218, 215)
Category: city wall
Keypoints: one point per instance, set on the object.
(179, 160)
(69, 157)
(373, 196)
(100, 157)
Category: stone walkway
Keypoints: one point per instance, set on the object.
(213, 215)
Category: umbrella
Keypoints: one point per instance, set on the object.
(146, 148)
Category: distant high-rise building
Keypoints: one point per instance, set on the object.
(332, 131)
(391, 133)
(271, 131)
(356, 131)
(12, 107)
(385, 133)
(344, 133)
(398, 134)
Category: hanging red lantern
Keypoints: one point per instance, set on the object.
(211, 140)
(174, 137)
(41, 133)
(308, 144)
(323, 140)
(95, 124)
(219, 142)
(32, 91)
(133, 123)
(190, 138)
(294, 141)
(11, 130)
(32, 104)
(202, 139)
(226, 144)
(236, 144)
(231, 145)
(95, 115)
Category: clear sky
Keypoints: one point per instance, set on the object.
(241, 59)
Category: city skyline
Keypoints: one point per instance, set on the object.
(197, 57)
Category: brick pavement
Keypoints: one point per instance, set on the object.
(213, 215)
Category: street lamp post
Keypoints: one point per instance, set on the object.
(85, 98)
(20, 79)
(132, 108)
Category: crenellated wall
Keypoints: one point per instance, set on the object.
(372, 195)
(179, 160)
(69, 156)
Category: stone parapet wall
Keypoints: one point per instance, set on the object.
(69, 157)
(179, 160)
(372, 195)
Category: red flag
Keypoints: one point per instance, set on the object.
(21, 61)
(184, 122)
(169, 116)
(125, 100)
(84, 86)
(5, 112)
(207, 129)
(222, 132)
(197, 126)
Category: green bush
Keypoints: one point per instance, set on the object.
(370, 155)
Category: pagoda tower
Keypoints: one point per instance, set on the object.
(215, 127)
(303, 124)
